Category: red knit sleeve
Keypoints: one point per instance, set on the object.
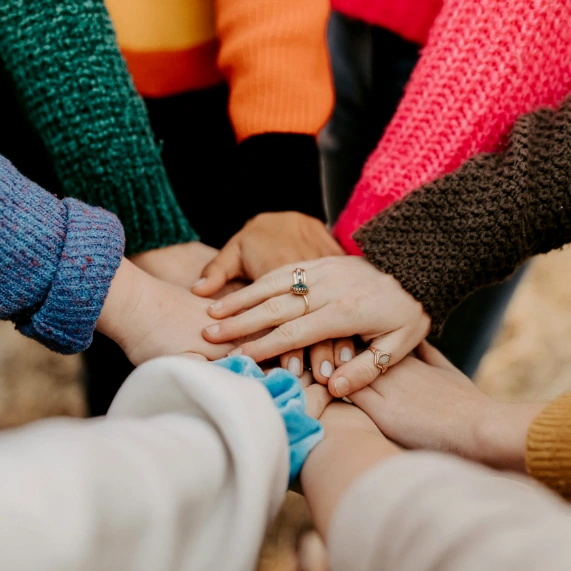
(486, 62)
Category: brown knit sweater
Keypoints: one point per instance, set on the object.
(475, 226)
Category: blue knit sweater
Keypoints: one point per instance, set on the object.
(58, 258)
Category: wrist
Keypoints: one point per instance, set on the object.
(124, 297)
(500, 435)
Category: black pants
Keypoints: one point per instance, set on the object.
(371, 67)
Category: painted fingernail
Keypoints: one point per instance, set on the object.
(326, 369)
(213, 329)
(199, 282)
(217, 306)
(237, 351)
(294, 366)
(341, 386)
(346, 354)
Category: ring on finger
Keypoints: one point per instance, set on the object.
(299, 286)
(382, 359)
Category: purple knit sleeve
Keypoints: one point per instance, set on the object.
(58, 260)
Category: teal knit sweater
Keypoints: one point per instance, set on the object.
(75, 89)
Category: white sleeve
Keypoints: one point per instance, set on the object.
(424, 511)
(192, 486)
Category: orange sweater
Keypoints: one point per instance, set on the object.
(272, 54)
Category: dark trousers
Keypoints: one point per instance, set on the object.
(371, 67)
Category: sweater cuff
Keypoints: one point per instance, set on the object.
(281, 172)
(303, 432)
(548, 450)
(91, 254)
(148, 210)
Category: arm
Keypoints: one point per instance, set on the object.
(475, 226)
(76, 91)
(180, 468)
(486, 63)
(380, 508)
(274, 58)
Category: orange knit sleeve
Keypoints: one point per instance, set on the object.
(548, 454)
(273, 53)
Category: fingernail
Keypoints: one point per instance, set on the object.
(217, 306)
(199, 282)
(213, 329)
(326, 369)
(237, 351)
(341, 386)
(294, 366)
(346, 354)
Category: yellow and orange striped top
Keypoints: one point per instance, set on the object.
(272, 54)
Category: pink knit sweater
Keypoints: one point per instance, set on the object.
(485, 63)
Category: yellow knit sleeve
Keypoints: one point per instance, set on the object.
(273, 54)
(548, 451)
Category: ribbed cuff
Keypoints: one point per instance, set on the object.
(280, 172)
(91, 254)
(548, 450)
(303, 432)
(149, 212)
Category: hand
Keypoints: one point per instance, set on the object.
(148, 317)
(428, 403)
(180, 264)
(267, 242)
(347, 296)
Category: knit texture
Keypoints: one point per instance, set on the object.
(76, 91)
(58, 260)
(475, 226)
(274, 57)
(548, 450)
(486, 62)
(410, 19)
(303, 432)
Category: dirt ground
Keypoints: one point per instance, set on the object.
(530, 360)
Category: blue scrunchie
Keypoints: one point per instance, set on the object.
(303, 431)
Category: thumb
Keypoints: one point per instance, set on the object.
(362, 371)
(226, 266)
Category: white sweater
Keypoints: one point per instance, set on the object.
(191, 465)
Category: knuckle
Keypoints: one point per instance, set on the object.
(273, 307)
(273, 282)
(289, 330)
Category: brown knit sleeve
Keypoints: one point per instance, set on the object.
(475, 226)
(548, 450)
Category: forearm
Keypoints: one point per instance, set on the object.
(475, 226)
(274, 57)
(77, 92)
(59, 258)
(343, 458)
(440, 123)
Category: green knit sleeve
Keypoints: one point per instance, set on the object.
(75, 89)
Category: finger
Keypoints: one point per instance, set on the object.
(306, 379)
(272, 284)
(432, 356)
(226, 266)
(317, 397)
(362, 371)
(322, 360)
(371, 403)
(344, 350)
(271, 313)
(194, 356)
(293, 361)
(302, 332)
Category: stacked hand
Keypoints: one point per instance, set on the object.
(347, 296)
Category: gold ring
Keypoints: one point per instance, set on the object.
(382, 359)
(306, 305)
(299, 286)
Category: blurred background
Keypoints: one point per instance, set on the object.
(530, 360)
